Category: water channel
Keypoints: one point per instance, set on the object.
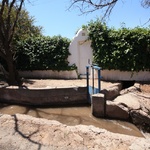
(72, 116)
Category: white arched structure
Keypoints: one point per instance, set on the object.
(81, 52)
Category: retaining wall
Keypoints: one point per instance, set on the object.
(117, 75)
(47, 74)
(44, 97)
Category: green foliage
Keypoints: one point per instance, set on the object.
(41, 53)
(25, 26)
(123, 49)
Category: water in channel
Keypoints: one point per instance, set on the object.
(72, 116)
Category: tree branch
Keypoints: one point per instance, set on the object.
(16, 19)
(88, 6)
(145, 3)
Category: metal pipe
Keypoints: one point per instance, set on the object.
(87, 82)
(99, 79)
(93, 79)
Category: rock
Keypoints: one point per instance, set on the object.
(131, 104)
(140, 145)
(144, 100)
(112, 92)
(116, 111)
(134, 88)
(141, 119)
(25, 132)
(129, 100)
(138, 106)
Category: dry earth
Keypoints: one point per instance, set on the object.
(33, 83)
(62, 83)
(144, 86)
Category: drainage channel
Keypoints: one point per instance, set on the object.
(72, 116)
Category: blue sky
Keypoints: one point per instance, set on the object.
(55, 19)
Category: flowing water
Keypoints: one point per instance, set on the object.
(72, 116)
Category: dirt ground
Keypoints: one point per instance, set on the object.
(144, 86)
(56, 83)
(63, 83)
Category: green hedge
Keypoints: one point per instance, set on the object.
(123, 49)
(42, 53)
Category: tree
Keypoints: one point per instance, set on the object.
(25, 27)
(13, 26)
(88, 6)
(7, 30)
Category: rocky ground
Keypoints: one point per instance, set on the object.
(21, 132)
(135, 100)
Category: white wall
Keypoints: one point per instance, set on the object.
(115, 75)
(47, 74)
(81, 51)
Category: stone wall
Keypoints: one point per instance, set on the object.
(125, 75)
(44, 97)
(47, 74)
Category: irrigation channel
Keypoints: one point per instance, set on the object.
(72, 116)
(75, 115)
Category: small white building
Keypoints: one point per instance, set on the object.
(81, 52)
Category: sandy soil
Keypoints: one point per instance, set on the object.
(33, 83)
(145, 87)
(63, 83)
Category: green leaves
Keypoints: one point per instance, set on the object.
(41, 53)
(123, 49)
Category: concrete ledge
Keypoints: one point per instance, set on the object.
(44, 97)
(47, 74)
(98, 105)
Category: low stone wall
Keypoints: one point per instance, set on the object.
(44, 97)
(47, 74)
(116, 75)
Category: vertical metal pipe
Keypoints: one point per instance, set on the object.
(87, 81)
(93, 79)
(99, 80)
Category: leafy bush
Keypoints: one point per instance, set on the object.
(41, 53)
(123, 49)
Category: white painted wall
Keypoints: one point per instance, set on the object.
(116, 75)
(81, 51)
(47, 74)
